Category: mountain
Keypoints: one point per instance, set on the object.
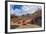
(37, 17)
(34, 18)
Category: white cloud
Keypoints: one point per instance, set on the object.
(26, 9)
(29, 9)
(12, 11)
(16, 12)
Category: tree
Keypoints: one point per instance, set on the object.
(13, 16)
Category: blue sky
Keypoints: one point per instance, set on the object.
(23, 9)
(16, 9)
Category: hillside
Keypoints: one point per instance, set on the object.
(24, 20)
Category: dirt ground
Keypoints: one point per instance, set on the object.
(19, 26)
